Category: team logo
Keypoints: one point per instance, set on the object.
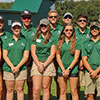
(5, 37)
(32, 34)
(22, 44)
(38, 40)
(88, 45)
(59, 32)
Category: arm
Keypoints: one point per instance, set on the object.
(0, 53)
(23, 61)
(7, 60)
(52, 55)
(35, 58)
(59, 61)
(86, 64)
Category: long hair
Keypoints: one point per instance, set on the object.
(38, 32)
(62, 38)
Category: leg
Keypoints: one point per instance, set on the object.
(1, 85)
(30, 92)
(10, 89)
(19, 89)
(90, 97)
(63, 87)
(36, 87)
(73, 87)
(4, 92)
(46, 87)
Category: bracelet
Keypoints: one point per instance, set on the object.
(69, 68)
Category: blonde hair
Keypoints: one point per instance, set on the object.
(62, 38)
(52, 11)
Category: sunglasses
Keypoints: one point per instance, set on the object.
(82, 20)
(67, 17)
(68, 30)
(42, 25)
(53, 16)
(26, 17)
(94, 27)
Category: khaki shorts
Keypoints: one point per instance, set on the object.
(22, 75)
(49, 71)
(29, 78)
(91, 85)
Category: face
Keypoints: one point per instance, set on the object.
(26, 20)
(68, 31)
(67, 19)
(53, 17)
(44, 28)
(82, 22)
(16, 30)
(94, 31)
(1, 24)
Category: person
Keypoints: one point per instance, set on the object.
(82, 33)
(28, 31)
(15, 54)
(55, 30)
(90, 58)
(3, 36)
(67, 18)
(43, 49)
(67, 55)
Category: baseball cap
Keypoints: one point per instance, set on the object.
(16, 24)
(94, 24)
(68, 14)
(26, 12)
(44, 21)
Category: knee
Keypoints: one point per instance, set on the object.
(74, 92)
(10, 90)
(36, 90)
(90, 96)
(62, 91)
(19, 90)
(45, 88)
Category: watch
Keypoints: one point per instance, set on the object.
(69, 68)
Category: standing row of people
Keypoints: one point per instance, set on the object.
(49, 51)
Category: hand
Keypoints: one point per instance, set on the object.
(13, 69)
(41, 69)
(16, 69)
(94, 74)
(66, 73)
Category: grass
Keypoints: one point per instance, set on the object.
(53, 92)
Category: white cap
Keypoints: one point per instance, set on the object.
(68, 13)
(16, 24)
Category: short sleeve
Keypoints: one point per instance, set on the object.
(27, 46)
(5, 45)
(83, 49)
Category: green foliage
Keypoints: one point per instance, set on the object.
(6, 5)
(91, 8)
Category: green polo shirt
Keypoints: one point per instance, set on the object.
(56, 33)
(92, 51)
(43, 51)
(15, 51)
(67, 57)
(29, 34)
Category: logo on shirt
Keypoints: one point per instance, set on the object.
(88, 45)
(11, 44)
(50, 40)
(32, 34)
(59, 32)
(87, 36)
(38, 40)
(22, 44)
(5, 37)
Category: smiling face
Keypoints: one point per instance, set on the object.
(16, 30)
(95, 31)
(43, 28)
(26, 20)
(82, 22)
(53, 17)
(67, 19)
(68, 31)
